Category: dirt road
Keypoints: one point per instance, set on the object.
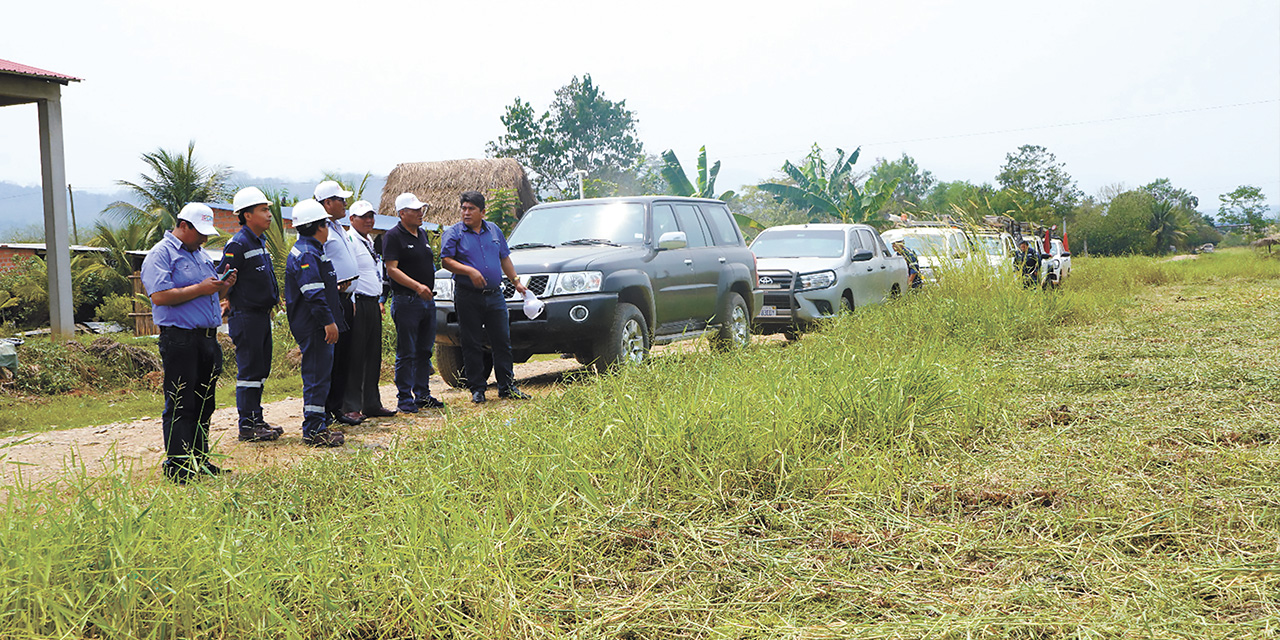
(138, 445)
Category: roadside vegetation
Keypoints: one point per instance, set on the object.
(976, 460)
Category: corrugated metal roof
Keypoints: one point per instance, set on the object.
(7, 66)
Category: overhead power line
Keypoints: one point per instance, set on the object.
(1032, 128)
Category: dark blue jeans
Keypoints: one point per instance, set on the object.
(251, 333)
(479, 316)
(415, 320)
(192, 362)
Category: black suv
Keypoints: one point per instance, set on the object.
(618, 275)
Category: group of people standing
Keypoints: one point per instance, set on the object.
(335, 290)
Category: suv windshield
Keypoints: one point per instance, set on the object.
(799, 243)
(991, 245)
(926, 244)
(586, 223)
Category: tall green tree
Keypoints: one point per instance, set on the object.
(825, 192)
(1050, 192)
(704, 183)
(1245, 206)
(582, 131)
(913, 183)
(175, 179)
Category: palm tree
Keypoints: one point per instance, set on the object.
(673, 173)
(175, 180)
(1167, 221)
(831, 193)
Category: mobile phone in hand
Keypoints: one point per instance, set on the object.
(226, 274)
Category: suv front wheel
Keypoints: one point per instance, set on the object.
(735, 324)
(452, 371)
(626, 343)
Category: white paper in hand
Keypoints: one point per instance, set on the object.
(532, 305)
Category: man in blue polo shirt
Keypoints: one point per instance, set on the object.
(251, 303)
(476, 252)
(184, 289)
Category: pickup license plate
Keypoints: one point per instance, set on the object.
(768, 311)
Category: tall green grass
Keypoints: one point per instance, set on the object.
(698, 495)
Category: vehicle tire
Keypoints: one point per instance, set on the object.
(450, 365)
(846, 302)
(735, 324)
(791, 334)
(627, 342)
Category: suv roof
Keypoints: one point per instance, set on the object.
(636, 199)
(821, 225)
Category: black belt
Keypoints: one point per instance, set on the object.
(207, 333)
(484, 292)
(361, 296)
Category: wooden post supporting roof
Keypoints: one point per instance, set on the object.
(20, 84)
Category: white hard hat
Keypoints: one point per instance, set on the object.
(408, 201)
(360, 208)
(330, 189)
(308, 211)
(201, 217)
(248, 197)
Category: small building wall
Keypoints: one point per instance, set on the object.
(9, 256)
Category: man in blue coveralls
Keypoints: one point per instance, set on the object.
(476, 252)
(252, 302)
(315, 318)
(184, 288)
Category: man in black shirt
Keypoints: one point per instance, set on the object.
(412, 271)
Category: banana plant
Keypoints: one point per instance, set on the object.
(673, 173)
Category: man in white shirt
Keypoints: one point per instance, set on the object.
(342, 255)
(366, 329)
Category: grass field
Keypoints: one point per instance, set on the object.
(975, 461)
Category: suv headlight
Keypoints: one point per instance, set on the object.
(577, 282)
(818, 280)
(444, 289)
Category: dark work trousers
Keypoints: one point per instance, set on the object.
(415, 320)
(366, 357)
(341, 360)
(251, 332)
(317, 367)
(482, 315)
(192, 362)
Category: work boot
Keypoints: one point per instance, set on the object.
(326, 438)
(259, 433)
(513, 394)
(430, 402)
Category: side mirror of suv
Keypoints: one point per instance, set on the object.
(1066, 254)
(861, 255)
(673, 240)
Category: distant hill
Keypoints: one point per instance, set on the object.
(22, 208)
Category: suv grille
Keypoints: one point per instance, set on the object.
(778, 300)
(775, 280)
(537, 284)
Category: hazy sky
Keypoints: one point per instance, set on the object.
(1122, 91)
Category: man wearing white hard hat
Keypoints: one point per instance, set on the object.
(184, 288)
(411, 269)
(251, 303)
(338, 248)
(366, 326)
(312, 301)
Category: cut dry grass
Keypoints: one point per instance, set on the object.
(976, 461)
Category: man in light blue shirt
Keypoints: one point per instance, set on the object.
(184, 290)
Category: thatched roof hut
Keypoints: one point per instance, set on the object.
(440, 183)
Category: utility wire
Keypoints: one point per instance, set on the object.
(1033, 128)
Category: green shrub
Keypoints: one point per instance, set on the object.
(116, 308)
